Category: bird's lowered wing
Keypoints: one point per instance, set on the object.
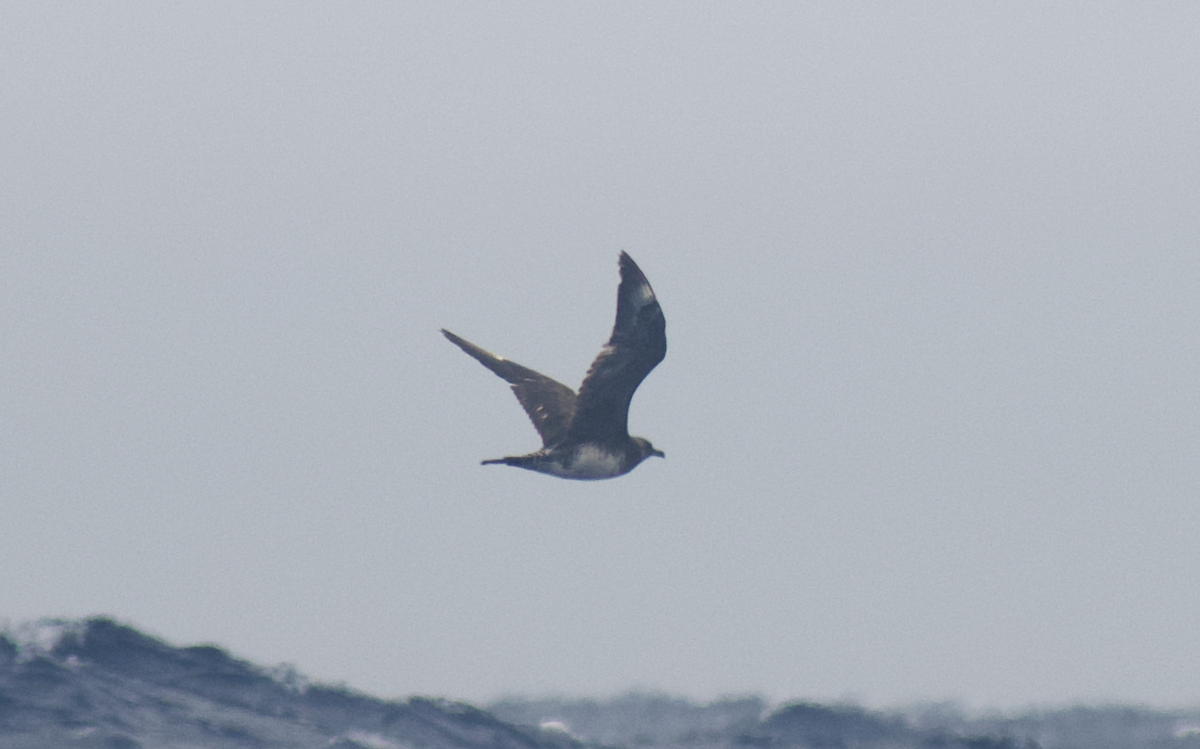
(549, 403)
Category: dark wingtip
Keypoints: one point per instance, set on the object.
(630, 269)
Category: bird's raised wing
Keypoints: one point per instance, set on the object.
(638, 343)
(549, 403)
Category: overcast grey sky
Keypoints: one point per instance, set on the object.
(931, 276)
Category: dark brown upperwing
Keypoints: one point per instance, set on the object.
(638, 343)
(549, 403)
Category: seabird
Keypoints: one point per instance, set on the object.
(586, 436)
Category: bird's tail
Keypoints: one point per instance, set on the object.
(520, 461)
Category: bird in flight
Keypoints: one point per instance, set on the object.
(586, 436)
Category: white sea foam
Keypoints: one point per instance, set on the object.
(555, 725)
(369, 740)
(39, 637)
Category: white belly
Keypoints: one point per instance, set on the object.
(589, 463)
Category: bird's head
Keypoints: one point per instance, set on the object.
(648, 449)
